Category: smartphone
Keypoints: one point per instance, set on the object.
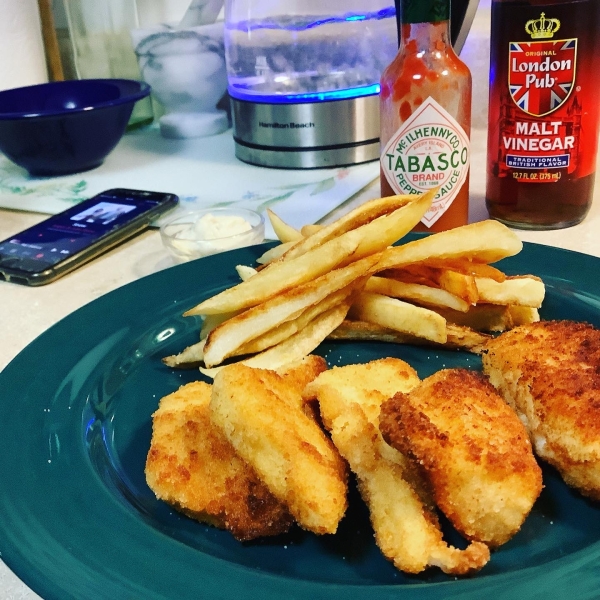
(63, 242)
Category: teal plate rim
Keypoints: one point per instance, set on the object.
(78, 521)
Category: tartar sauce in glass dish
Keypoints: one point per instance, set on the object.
(202, 233)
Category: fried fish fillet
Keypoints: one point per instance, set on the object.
(549, 372)
(191, 466)
(262, 416)
(472, 449)
(405, 524)
(300, 373)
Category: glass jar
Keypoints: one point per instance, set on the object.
(102, 47)
(544, 112)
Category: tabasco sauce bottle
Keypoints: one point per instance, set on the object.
(544, 108)
(426, 115)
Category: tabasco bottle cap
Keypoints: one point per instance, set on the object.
(424, 11)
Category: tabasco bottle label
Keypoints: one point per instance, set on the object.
(429, 149)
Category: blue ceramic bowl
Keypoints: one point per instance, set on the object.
(66, 126)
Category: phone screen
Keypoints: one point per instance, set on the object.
(56, 239)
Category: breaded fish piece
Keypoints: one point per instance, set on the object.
(301, 372)
(191, 466)
(549, 372)
(405, 524)
(262, 417)
(472, 449)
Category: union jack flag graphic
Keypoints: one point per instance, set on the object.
(541, 75)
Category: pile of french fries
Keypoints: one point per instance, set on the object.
(347, 281)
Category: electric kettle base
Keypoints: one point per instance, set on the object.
(307, 135)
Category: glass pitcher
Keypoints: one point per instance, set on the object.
(301, 47)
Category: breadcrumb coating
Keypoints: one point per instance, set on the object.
(192, 466)
(262, 417)
(471, 448)
(406, 527)
(549, 372)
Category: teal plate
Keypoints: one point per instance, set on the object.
(78, 521)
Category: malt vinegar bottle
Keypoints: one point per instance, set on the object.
(544, 111)
(425, 115)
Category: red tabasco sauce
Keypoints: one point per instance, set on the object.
(425, 116)
(544, 111)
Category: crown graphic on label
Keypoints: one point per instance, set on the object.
(542, 28)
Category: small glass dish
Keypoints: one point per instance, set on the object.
(204, 232)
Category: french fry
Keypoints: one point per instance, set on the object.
(459, 284)
(415, 292)
(211, 321)
(400, 316)
(418, 273)
(440, 289)
(309, 229)
(224, 340)
(468, 267)
(458, 338)
(303, 342)
(191, 357)
(384, 231)
(522, 315)
(283, 231)
(485, 242)
(364, 214)
(297, 346)
(274, 253)
(481, 317)
(245, 272)
(285, 330)
(278, 277)
(523, 290)
(350, 246)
